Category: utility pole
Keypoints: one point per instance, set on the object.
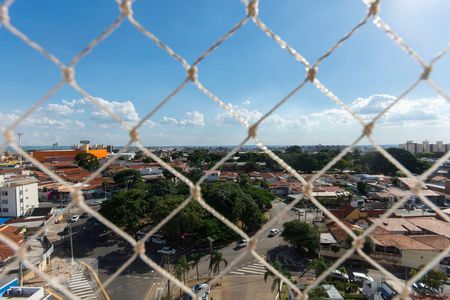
(71, 235)
(167, 259)
(19, 134)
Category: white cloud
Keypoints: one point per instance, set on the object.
(125, 110)
(170, 121)
(246, 102)
(193, 118)
(252, 116)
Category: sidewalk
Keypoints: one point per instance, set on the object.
(64, 271)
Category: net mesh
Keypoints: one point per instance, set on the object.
(311, 77)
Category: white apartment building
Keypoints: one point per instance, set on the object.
(425, 147)
(18, 196)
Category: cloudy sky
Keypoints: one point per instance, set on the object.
(130, 75)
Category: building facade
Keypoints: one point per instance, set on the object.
(425, 147)
(17, 197)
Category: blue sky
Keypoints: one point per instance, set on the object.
(131, 74)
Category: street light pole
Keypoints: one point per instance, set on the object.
(71, 234)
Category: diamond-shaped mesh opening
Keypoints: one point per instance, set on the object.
(193, 192)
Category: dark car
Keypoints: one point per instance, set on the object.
(84, 215)
(65, 231)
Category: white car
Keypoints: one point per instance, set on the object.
(339, 275)
(361, 277)
(274, 232)
(158, 240)
(167, 251)
(201, 290)
(241, 243)
(74, 218)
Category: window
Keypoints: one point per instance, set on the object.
(4, 201)
(5, 210)
(4, 193)
(20, 192)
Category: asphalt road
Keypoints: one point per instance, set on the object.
(139, 281)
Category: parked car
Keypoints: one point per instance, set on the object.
(339, 275)
(143, 231)
(361, 277)
(158, 240)
(84, 215)
(65, 231)
(167, 251)
(241, 243)
(274, 232)
(74, 218)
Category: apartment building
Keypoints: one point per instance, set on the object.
(425, 147)
(18, 196)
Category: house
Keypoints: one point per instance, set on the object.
(379, 290)
(332, 292)
(398, 225)
(359, 202)
(18, 196)
(25, 293)
(411, 251)
(228, 176)
(212, 176)
(15, 234)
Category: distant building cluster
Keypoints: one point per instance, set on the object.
(425, 147)
(47, 156)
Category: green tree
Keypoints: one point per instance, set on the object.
(294, 149)
(361, 186)
(181, 268)
(368, 245)
(379, 164)
(189, 220)
(319, 265)
(87, 161)
(162, 187)
(301, 235)
(128, 178)
(125, 209)
(318, 293)
(195, 261)
(434, 279)
(262, 197)
(216, 260)
(276, 283)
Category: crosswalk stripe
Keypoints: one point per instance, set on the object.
(80, 286)
(256, 267)
(251, 272)
(77, 284)
(237, 273)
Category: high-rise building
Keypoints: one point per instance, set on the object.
(425, 147)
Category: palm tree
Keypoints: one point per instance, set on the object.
(181, 268)
(216, 260)
(277, 283)
(196, 257)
